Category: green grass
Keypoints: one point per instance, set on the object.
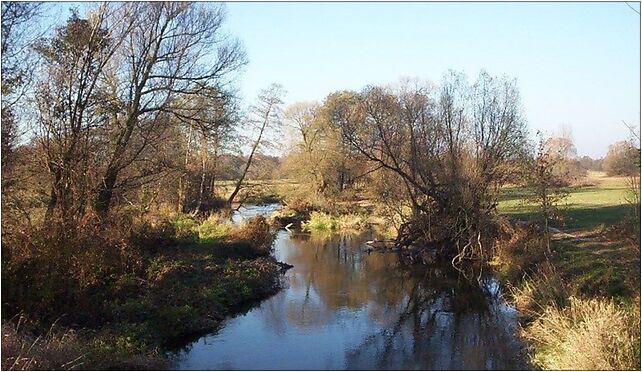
(320, 221)
(213, 230)
(598, 266)
(585, 208)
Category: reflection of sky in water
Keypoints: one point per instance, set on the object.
(344, 308)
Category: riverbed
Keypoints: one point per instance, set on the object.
(345, 308)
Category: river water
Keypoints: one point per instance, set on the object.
(343, 308)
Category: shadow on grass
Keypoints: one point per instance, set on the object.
(599, 268)
(588, 217)
(583, 217)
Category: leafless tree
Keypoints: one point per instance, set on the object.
(451, 149)
(175, 49)
(264, 117)
(19, 20)
(208, 132)
(547, 185)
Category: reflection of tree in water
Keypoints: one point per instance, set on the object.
(444, 324)
(429, 319)
(333, 274)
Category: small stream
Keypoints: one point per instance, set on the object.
(343, 308)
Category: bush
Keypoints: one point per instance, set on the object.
(52, 270)
(593, 334)
(257, 234)
(153, 237)
(622, 159)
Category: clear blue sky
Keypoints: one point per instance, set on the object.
(577, 64)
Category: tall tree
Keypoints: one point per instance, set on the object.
(68, 101)
(19, 21)
(174, 49)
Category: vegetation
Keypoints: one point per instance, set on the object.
(621, 159)
(184, 284)
(580, 302)
(125, 148)
(590, 334)
(116, 128)
(320, 221)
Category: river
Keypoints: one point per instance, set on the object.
(344, 308)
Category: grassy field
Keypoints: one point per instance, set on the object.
(601, 202)
(591, 260)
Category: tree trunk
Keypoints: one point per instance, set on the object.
(201, 189)
(237, 188)
(105, 192)
(182, 180)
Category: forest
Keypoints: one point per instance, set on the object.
(127, 151)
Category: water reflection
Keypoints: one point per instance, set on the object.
(347, 309)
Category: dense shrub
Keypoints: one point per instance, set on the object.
(51, 270)
(153, 237)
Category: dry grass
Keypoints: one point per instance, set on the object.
(56, 350)
(518, 250)
(539, 291)
(595, 334)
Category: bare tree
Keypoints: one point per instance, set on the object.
(264, 116)
(546, 184)
(451, 152)
(19, 20)
(175, 49)
(18, 35)
(214, 126)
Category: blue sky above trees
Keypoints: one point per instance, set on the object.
(577, 64)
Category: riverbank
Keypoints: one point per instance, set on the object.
(580, 302)
(196, 274)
